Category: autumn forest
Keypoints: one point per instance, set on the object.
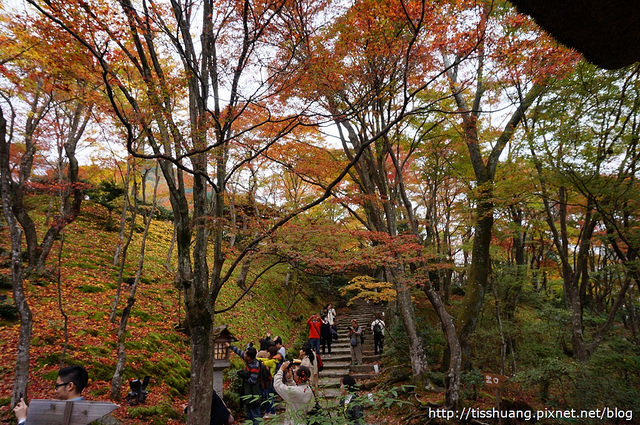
(169, 166)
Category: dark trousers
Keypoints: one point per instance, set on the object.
(253, 413)
(326, 342)
(378, 342)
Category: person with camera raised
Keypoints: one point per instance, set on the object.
(251, 390)
(298, 398)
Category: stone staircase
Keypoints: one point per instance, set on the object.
(338, 363)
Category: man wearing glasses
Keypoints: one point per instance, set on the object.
(70, 383)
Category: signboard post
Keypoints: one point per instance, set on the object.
(495, 381)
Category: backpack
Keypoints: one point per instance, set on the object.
(353, 409)
(320, 364)
(377, 328)
(264, 376)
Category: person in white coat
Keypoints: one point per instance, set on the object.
(298, 398)
(331, 314)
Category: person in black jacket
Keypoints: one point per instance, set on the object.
(325, 335)
(251, 389)
(350, 403)
(220, 413)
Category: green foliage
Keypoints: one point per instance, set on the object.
(49, 359)
(553, 374)
(377, 402)
(8, 312)
(158, 414)
(171, 369)
(101, 369)
(611, 377)
(143, 315)
(5, 281)
(162, 213)
(106, 193)
(471, 381)
(91, 289)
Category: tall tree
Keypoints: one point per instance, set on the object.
(505, 59)
(19, 296)
(50, 110)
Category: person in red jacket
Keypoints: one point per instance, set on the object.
(315, 324)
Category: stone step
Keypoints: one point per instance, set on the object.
(345, 357)
(329, 393)
(334, 381)
(337, 372)
(346, 349)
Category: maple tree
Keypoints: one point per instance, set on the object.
(50, 108)
(379, 63)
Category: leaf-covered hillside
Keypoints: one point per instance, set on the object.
(83, 298)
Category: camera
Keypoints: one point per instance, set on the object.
(138, 393)
(295, 363)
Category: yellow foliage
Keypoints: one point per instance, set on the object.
(368, 289)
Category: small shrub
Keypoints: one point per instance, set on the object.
(162, 213)
(471, 381)
(8, 312)
(5, 281)
(91, 289)
(158, 413)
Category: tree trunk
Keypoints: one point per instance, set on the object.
(123, 253)
(484, 171)
(116, 380)
(123, 217)
(167, 262)
(70, 209)
(418, 357)
(19, 298)
(452, 377)
(633, 318)
(478, 275)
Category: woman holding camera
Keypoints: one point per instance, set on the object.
(298, 398)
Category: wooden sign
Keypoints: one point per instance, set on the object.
(61, 412)
(493, 380)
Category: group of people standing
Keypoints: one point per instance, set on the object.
(257, 388)
(294, 381)
(356, 338)
(323, 330)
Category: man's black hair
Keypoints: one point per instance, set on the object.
(76, 374)
(277, 340)
(251, 352)
(349, 382)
